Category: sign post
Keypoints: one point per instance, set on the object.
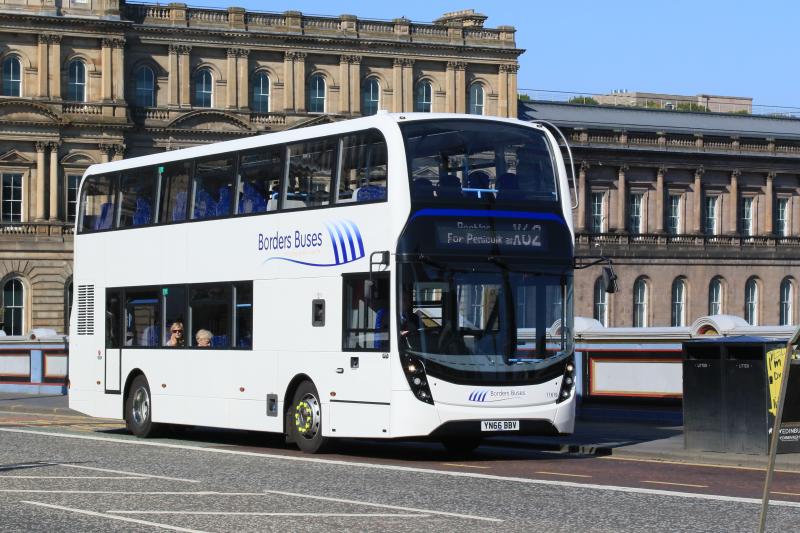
(773, 445)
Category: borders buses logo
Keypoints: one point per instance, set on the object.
(341, 238)
(483, 396)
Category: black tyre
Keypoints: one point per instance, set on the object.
(139, 409)
(304, 420)
(461, 445)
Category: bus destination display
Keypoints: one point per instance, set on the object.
(518, 236)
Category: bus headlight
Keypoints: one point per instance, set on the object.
(567, 382)
(417, 380)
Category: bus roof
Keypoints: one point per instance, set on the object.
(287, 136)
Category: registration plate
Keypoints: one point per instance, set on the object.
(499, 425)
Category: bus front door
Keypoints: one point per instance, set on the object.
(112, 362)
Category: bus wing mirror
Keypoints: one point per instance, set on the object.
(609, 280)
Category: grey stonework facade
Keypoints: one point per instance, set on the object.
(97, 80)
(701, 208)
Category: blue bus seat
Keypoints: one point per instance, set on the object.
(179, 209)
(224, 203)
(143, 213)
(370, 193)
(204, 205)
(220, 341)
(251, 201)
(105, 219)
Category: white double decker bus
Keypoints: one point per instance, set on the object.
(393, 276)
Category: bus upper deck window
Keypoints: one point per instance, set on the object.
(137, 196)
(261, 172)
(97, 203)
(213, 187)
(363, 174)
(310, 173)
(174, 191)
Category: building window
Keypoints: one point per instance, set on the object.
(598, 219)
(370, 97)
(715, 297)
(76, 87)
(674, 215)
(787, 298)
(423, 99)
(635, 222)
(751, 302)
(747, 217)
(73, 181)
(783, 217)
(145, 88)
(600, 302)
(261, 93)
(316, 94)
(640, 295)
(476, 99)
(204, 88)
(12, 197)
(678, 303)
(12, 76)
(13, 303)
(711, 226)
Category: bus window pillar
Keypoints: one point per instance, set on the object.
(40, 180)
(698, 200)
(54, 180)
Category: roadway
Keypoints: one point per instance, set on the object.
(64, 472)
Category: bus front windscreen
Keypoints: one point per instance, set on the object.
(480, 326)
(478, 163)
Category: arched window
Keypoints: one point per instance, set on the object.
(678, 303)
(316, 94)
(715, 297)
(370, 96)
(423, 98)
(204, 88)
(476, 99)
(76, 86)
(640, 296)
(600, 302)
(14, 305)
(261, 93)
(145, 88)
(787, 299)
(12, 76)
(751, 302)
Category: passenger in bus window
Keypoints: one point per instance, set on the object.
(176, 335)
(203, 338)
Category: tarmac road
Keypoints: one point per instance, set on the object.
(61, 472)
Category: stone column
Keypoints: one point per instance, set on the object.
(185, 77)
(300, 82)
(660, 199)
(288, 81)
(107, 70)
(502, 97)
(397, 83)
(355, 84)
(733, 203)
(172, 86)
(450, 87)
(622, 198)
(40, 180)
(408, 85)
(461, 87)
(43, 68)
(233, 79)
(512, 90)
(55, 68)
(243, 61)
(117, 152)
(105, 151)
(698, 200)
(581, 192)
(118, 90)
(768, 214)
(54, 180)
(344, 84)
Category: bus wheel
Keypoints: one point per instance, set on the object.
(461, 445)
(139, 409)
(304, 419)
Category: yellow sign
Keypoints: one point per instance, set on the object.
(775, 359)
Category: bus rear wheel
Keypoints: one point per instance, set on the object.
(139, 409)
(304, 419)
(461, 445)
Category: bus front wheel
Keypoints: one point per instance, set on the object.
(139, 409)
(304, 419)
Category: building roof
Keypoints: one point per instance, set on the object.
(628, 118)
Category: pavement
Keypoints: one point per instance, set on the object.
(605, 433)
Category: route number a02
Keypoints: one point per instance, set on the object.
(499, 425)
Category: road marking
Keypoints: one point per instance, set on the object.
(254, 513)
(384, 506)
(677, 484)
(398, 468)
(113, 517)
(3, 412)
(466, 466)
(707, 465)
(561, 474)
(137, 474)
(71, 477)
(129, 492)
(785, 493)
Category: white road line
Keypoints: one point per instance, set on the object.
(113, 517)
(381, 505)
(397, 468)
(137, 474)
(562, 474)
(677, 484)
(254, 513)
(3, 476)
(129, 492)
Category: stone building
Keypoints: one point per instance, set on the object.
(87, 81)
(700, 102)
(698, 211)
